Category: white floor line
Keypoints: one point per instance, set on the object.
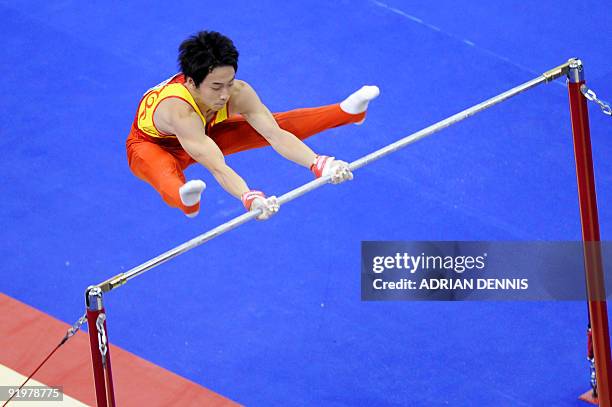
(463, 40)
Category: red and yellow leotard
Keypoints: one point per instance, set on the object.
(171, 88)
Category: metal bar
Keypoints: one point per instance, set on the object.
(391, 148)
(122, 278)
(589, 219)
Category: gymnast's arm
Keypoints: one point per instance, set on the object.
(286, 144)
(178, 118)
(247, 103)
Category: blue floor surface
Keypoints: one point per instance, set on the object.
(270, 314)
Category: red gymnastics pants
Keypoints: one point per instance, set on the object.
(162, 166)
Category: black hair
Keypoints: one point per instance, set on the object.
(203, 52)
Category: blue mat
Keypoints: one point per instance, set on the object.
(270, 314)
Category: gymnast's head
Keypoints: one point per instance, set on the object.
(209, 61)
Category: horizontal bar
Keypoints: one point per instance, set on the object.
(122, 278)
(434, 128)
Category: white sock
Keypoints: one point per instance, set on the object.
(191, 192)
(358, 101)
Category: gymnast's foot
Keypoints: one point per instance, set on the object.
(358, 102)
(191, 193)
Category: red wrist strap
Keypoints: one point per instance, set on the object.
(248, 197)
(319, 164)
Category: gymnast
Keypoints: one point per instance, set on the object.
(204, 113)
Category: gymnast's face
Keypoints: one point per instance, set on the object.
(215, 89)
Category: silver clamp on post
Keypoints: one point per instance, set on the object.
(593, 378)
(102, 343)
(590, 95)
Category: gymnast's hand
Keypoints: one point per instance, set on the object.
(324, 166)
(254, 200)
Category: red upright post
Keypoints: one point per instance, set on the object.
(100, 352)
(593, 264)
